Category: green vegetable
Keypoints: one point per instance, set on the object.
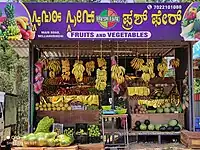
(167, 110)
(42, 141)
(165, 125)
(94, 131)
(51, 135)
(173, 122)
(151, 127)
(168, 105)
(159, 110)
(177, 128)
(44, 125)
(169, 128)
(137, 123)
(69, 132)
(157, 127)
(162, 128)
(51, 142)
(172, 109)
(143, 127)
(147, 122)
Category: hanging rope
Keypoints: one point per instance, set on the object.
(117, 52)
(101, 46)
(147, 50)
(78, 51)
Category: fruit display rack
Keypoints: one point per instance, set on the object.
(110, 133)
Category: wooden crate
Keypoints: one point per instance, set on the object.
(98, 146)
(62, 148)
(190, 139)
(72, 117)
(158, 118)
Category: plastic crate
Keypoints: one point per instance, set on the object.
(82, 126)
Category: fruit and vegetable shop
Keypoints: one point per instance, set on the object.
(105, 75)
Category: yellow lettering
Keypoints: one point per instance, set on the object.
(34, 17)
(90, 17)
(45, 16)
(140, 18)
(173, 18)
(156, 18)
(54, 17)
(79, 16)
(127, 23)
(164, 19)
(69, 18)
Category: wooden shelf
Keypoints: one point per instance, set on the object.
(73, 116)
(158, 118)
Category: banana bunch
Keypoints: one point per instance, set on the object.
(139, 91)
(54, 68)
(92, 100)
(154, 103)
(78, 70)
(22, 21)
(148, 70)
(101, 63)
(65, 70)
(175, 63)
(162, 68)
(136, 63)
(101, 79)
(45, 63)
(90, 66)
(150, 64)
(117, 73)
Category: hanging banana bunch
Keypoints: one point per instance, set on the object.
(101, 80)
(117, 73)
(175, 63)
(101, 75)
(162, 68)
(54, 68)
(101, 63)
(150, 64)
(148, 70)
(136, 63)
(65, 70)
(90, 66)
(78, 70)
(45, 64)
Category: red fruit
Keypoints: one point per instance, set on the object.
(2, 19)
(22, 31)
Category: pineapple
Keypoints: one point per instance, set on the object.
(10, 15)
(1, 13)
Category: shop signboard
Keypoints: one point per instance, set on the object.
(87, 21)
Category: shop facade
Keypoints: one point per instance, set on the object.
(101, 37)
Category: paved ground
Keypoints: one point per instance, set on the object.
(148, 146)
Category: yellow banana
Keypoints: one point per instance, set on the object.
(25, 19)
(22, 23)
